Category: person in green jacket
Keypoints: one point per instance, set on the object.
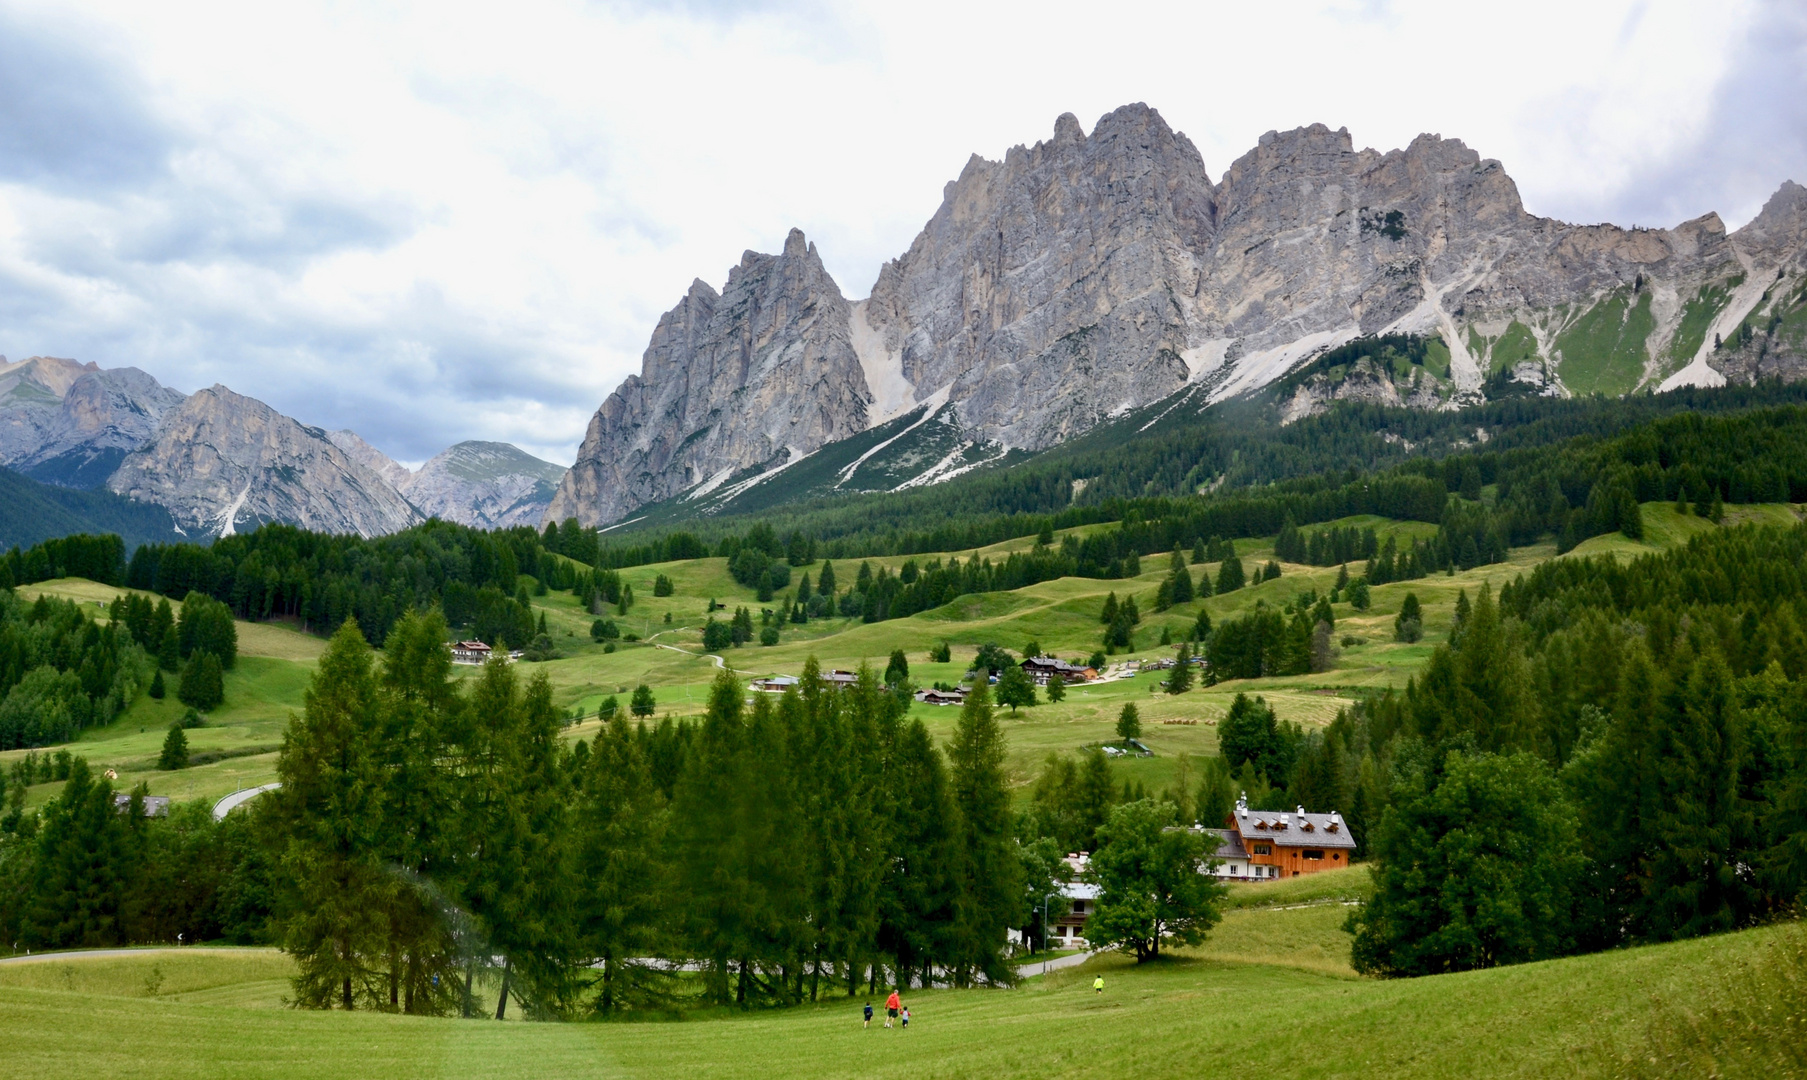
(1098, 984)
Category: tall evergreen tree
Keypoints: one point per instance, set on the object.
(991, 872)
(329, 814)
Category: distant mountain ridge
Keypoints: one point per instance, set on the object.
(217, 462)
(1090, 276)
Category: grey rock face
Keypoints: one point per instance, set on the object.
(371, 458)
(1090, 275)
(222, 462)
(69, 423)
(753, 378)
(488, 485)
(1051, 289)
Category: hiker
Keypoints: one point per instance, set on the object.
(892, 1004)
(868, 1022)
(1098, 984)
(906, 1017)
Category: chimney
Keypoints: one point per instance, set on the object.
(1301, 811)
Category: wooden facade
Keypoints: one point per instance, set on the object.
(1293, 844)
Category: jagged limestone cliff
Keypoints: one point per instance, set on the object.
(754, 378)
(70, 424)
(223, 462)
(1090, 275)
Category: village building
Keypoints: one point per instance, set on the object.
(1068, 931)
(775, 684)
(1041, 669)
(1233, 861)
(933, 696)
(470, 652)
(839, 679)
(1291, 844)
(154, 805)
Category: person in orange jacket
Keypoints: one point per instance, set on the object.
(892, 1004)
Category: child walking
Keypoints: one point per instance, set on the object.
(906, 1016)
(868, 1022)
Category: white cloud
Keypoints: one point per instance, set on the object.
(443, 221)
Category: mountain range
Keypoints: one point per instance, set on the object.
(219, 462)
(1090, 276)
(1089, 279)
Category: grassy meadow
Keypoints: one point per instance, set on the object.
(237, 747)
(1271, 990)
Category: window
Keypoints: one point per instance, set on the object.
(1264, 849)
(1314, 856)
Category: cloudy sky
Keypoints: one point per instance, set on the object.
(433, 223)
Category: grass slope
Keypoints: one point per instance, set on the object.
(1062, 616)
(1267, 988)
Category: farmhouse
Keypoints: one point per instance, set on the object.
(1291, 844)
(775, 684)
(932, 696)
(1233, 862)
(1043, 668)
(470, 652)
(839, 679)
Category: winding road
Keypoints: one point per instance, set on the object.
(239, 798)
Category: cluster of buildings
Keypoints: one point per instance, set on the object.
(1257, 845)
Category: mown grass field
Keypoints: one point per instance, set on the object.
(276, 660)
(1270, 992)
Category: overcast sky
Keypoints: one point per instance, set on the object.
(438, 223)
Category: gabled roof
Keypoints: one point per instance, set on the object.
(1295, 829)
(1229, 845)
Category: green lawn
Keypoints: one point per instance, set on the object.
(1271, 990)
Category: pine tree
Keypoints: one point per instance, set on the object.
(157, 690)
(642, 703)
(419, 715)
(1408, 626)
(1229, 574)
(168, 653)
(1201, 627)
(202, 684)
(84, 867)
(175, 750)
(898, 669)
(1129, 723)
(825, 583)
(329, 813)
(1198, 551)
(1110, 609)
(991, 872)
(1180, 680)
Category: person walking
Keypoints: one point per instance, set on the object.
(868, 1022)
(906, 1018)
(1098, 984)
(892, 1004)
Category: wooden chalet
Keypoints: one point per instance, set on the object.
(1041, 669)
(1290, 844)
(933, 696)
(470, 652)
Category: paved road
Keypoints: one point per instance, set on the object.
(239, 798)
(1059, 962)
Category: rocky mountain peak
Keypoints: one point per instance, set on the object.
(222, 461)
(750, 380)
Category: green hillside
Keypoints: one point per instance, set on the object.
(1727, 1006)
